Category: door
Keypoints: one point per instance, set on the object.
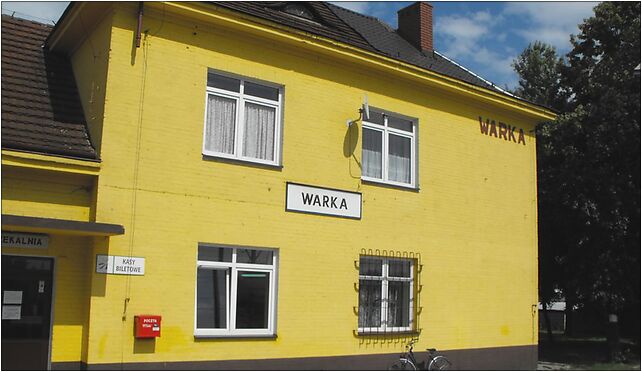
(26, 312)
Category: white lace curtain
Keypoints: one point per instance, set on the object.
(371, 159)
(399, 159)
(221, 118)
(398, 304)
(258, 134)
(398, 156)
(258, 137)
(369, 303)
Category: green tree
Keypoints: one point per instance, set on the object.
(540, 72)
(539, 68)
(589, 162)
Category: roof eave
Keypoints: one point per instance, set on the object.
(62, 21)
(459, 85)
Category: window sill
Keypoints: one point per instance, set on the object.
(388, 333)
(244, 162)
(368, 181)
(264, 337)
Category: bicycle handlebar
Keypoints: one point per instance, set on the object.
(412, 343)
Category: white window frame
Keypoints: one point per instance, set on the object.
(232, 269)
(385, 130)
(385, 279)
(239, 126)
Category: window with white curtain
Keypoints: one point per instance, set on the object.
(235, 291)
(242, 119)
(386, 294)
(389, 149)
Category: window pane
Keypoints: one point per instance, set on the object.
(223, 82)
(369, 303)
(372, 151)
(401, 124)
(253, 256)
(252, 299)
(399, 269)
(211, 299)
(375, 117)
(399, 158)
(219, 130)
(262, 91)
(398, 304)
(299, 10)
(206, 253)
(258, 139)
(370, 266)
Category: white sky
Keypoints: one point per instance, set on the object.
(41, 11)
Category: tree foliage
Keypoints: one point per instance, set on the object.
(589, 159)
(540, 70)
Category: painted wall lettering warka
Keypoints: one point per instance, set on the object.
(503, 130)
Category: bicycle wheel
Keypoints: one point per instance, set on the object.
(402, 366)
(439, 363)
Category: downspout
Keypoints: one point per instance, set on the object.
(139, 26)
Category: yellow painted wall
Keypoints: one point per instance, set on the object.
(41, 193)
(73, 263)
(90, 61)
(473, 221)
(49, 194)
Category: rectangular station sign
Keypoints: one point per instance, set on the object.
(24, 240)
(120, 265)
(320, 200)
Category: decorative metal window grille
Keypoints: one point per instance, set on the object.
(388, 294)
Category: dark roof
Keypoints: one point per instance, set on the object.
(41, 108)
(358, 30)
(389, 42)
(328, 24)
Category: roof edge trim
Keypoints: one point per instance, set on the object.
(283, 31)
(491, 83)
(50, 162)
(63, 22)
(17, 223)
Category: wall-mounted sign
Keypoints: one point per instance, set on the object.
(120, 265)
(502, 131)
(317, 200)
(11, 312)
(24, 240)
(12, 297)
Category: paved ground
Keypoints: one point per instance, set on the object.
(549, 366)
(584, 353)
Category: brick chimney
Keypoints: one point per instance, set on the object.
(415, 25)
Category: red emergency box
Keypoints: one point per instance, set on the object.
(147, 326)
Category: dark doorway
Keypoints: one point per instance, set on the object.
(26, 312)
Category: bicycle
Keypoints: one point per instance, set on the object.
(408, 362)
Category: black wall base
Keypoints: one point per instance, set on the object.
(497, 358)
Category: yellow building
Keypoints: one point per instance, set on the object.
(287, 185)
